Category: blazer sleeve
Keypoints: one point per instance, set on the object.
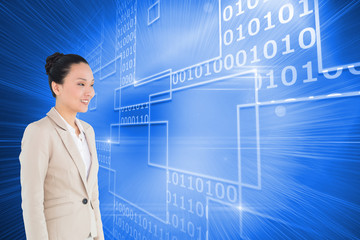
(34, 158)
(96, 203)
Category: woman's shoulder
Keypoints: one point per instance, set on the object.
(40, 126)
(41, 123)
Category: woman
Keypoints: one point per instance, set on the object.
(59, 166)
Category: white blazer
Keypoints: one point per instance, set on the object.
(58, 202)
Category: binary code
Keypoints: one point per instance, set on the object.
(230, 119)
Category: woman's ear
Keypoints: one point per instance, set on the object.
(56, 88)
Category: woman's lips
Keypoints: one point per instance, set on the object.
(85, 101)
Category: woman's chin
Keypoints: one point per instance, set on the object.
(83, 109)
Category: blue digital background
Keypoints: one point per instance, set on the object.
(217, 119)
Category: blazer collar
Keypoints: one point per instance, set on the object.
(72, 149)
(54, 115)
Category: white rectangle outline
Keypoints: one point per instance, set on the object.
(167, 168)
(273, 102)
(200, 63)
(158, 13)
(117, 99)
(118, 133)
(167, 143)
(318, 44)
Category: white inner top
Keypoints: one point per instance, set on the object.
(80, 142)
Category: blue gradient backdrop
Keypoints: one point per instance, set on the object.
(216, 119)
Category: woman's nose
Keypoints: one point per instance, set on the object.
(90, 91)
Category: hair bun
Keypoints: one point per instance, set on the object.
(50, 60)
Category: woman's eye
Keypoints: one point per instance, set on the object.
(92, 85)
(81, 84)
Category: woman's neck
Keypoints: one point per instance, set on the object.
(67, 115)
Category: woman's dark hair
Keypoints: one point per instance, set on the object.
(58, 65)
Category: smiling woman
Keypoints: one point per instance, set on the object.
(59, 165)
(71, 83)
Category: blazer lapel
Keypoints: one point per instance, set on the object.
(91, 144)
(69, 144)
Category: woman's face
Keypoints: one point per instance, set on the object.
(77, 90)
